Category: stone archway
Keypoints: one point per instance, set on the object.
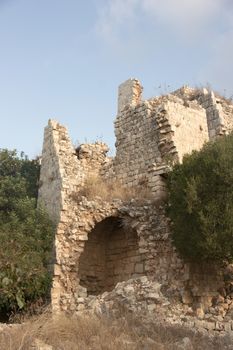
(110, 255)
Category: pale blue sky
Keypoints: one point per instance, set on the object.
(64, 59)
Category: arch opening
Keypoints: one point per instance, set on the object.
(111, 255)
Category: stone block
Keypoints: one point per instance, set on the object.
(139, 268)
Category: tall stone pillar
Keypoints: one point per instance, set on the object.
(129, 92)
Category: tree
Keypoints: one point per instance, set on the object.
(14, 166)
(26, 234)
(201, 203)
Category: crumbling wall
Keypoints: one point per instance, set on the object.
(58, 166)
(64, 168)
(151, 135)
(141, 245)
(81, 269)
(219, 110)
(129, 93)
(111, 255)
(92, 157)
(181, 129)
(225, 107)
(136, 144)
(63, 172)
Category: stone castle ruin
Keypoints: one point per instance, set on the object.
(99, 243)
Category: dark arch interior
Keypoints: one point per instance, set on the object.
(110, 255)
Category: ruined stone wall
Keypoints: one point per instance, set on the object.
(111, 255)
(64, 168)
(226, 109)
(136, 144)
(100, 243)
(139, 245)
(58, 165)
(92, 256)
(149, 133)
(63, 172)
(182, 128)
(129, 92)
(92, 157)
(214, 114)
(219, 110)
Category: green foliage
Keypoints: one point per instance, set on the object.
(201, 203)
(14, 166)
(26, 234)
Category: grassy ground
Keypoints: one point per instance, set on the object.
(101, 333)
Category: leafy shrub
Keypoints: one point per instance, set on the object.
(26, 234)
(201, 202)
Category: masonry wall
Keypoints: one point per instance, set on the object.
(111, 255)
(140, 245)
(136, 144)
(225, 108)
(59, 163)
(92, 254)
(219, 110)
(189, 127)
(149, 133)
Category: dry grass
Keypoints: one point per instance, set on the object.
(224, 95)
(226, 99)
(102, 333)
(109, 190)
(70, 333)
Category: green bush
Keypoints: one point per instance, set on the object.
(26, 234)
(201, 203)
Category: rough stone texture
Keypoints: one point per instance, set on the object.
(63, 168)
(98, 243)
(129, 93)
(101, 244)
(150, 133)
(146, 296)
(219, 111)
(187, 127)
(58, 165)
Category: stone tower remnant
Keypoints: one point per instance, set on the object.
(99, 243)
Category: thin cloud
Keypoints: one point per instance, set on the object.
(115, 15)
(218, 69)
(181, 13)
(204, 26)
(186, 18)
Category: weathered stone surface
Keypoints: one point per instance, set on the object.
(101, 244)
(184, 344)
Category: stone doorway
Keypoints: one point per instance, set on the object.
(110, 255)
